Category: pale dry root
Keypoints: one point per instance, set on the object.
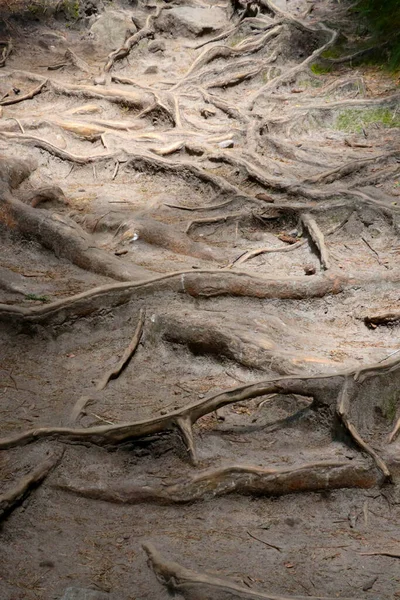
(329, 391)
(193, 585)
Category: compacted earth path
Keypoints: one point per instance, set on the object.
(199, 304)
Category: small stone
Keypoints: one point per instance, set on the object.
(151, 70)
(207, 112)
(309, 270)
(100, 80)
(126, 536)
(265, 198)
(226, 144)
(156, 46)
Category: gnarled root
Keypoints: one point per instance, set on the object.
(67, 239)
(238, 479)
(208, 587)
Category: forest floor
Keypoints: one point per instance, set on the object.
(213, 199)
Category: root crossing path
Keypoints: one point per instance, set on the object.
(199, 304)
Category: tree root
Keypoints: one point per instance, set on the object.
(5, 53)
(244, 341)
(13, 497)
(36, 142)
(28, 96)
(127, 355)
(215, 52)
(112, 94)
(289, 75)
(191, 584)
(317, 237)
(202, 283)
(236, 479)
(326, 391)
(66, 238)
(386, 318)
(147, 31)
(344, 399)
(253, 253)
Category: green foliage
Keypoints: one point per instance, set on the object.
(319, 69)
(389, 408)
(383, 20)
(353, 120)
(37, 298)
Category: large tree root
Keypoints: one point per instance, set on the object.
(246, 342)
(237, 479)
(202, 283)
(67, 239)
(194, 585)
(325, 391)
(13, 497)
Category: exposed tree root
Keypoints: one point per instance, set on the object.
(199, 585)
(28, 96)
(327, 391)
(5, 52)
(147, 31)
(291, 73)
(112, 94)
(385, 318)
(127, 355)
(317, 237)
(202, 283)
(215, 52)
(253, 253)
(344, 399)
(67, 239)
(395, 431)
(237, 479)
(246, 342)
(13, 497)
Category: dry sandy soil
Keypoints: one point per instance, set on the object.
(199, 318)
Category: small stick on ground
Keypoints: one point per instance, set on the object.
(11, 499)
(264, 542)
(391, 554)
(127, 355)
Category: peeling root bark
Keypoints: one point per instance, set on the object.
(237, 479)
(13, 497)
(208, 587)
(127, 355)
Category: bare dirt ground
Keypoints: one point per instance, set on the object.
(199, 318)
